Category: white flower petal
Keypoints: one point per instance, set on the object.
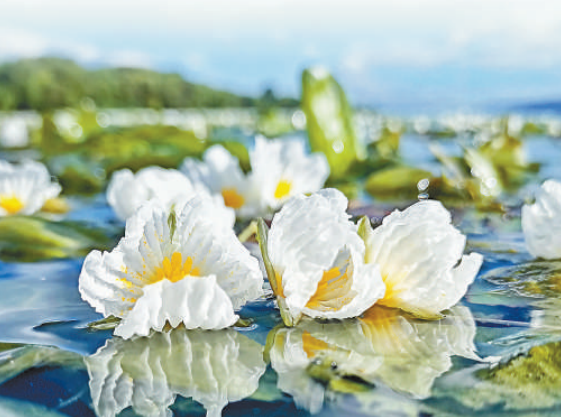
(126, 192)
(147, 373)
(541, 222)
(156, 253)
(286, 160)
(25, 188)
(418, 252)
(312, 245)
(193, 302)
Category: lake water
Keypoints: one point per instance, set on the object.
(497, 353)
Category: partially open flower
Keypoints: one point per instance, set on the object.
(147, 373)
(315, 260)
(25, 188)
(420, 256)
(282, 168)
(220, 172)
(176, 268)
(541, 222)
(126, 192)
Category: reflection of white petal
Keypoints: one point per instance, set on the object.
(385, 346)
(213, 368)
(418, 251)
(195, 303)
(541, 222)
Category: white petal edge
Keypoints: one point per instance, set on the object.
(193, 302)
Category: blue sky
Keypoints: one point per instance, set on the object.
(397, 54)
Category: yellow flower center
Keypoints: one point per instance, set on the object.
(175, 269)
(232, 198)
(11, 204)
(283, 189)
(333, 292)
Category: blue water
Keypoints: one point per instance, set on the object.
(61, 367)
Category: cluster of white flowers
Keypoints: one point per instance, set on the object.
(323, 265)
(281, 168)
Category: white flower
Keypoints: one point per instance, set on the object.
(420, 255)
(25, 188)
(318, 260)
(282, 169)
(178, 268)
(126, 192)
(541, 222)
(385, 346)
(147, 373)
(220, 172)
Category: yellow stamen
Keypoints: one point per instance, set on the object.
(333, 291)
(283, 189)
(279, 290)
(232, 198)
(175, 269)
(11, 204)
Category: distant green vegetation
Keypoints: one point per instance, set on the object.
(52, 83)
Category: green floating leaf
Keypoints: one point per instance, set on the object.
(28, 239)
(20, 359)
(107, 323)
(399, 181)
(538, 279)
(329, 121)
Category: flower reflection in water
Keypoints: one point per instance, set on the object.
(386, 346)
(147, 373)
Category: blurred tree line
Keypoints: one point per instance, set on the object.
(51, 83)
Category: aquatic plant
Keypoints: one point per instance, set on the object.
(177, 267)
(25, 188)
(126, 192)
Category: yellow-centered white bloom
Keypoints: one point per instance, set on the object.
(25, 188)
(385, 346)
(541, 222)
(126, 192)
(178, 268)
(147, 373)
(316, 260)
(282, 168)
(420, 256)
(220, 172)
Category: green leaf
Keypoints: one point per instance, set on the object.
(329, 121)
(28, 239)
(399, 181)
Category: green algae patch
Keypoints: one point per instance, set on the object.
(538, 279)
(29, 239)
(537, 373)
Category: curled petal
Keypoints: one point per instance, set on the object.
(312, 243)
(541, 222)
(193, 302)
(420, 258)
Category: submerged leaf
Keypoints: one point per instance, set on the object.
(28, 239)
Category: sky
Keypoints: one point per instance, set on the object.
(415, 54)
